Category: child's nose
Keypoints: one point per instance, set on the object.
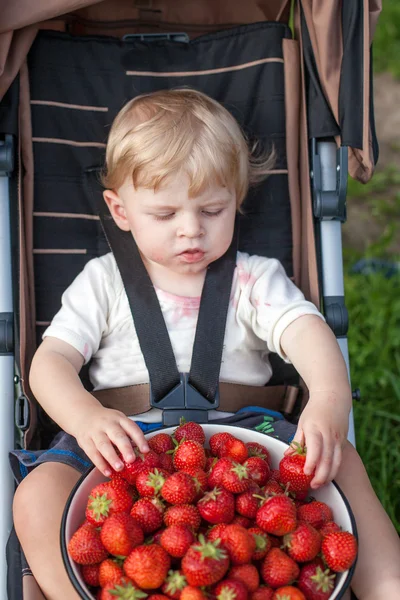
(191, 226)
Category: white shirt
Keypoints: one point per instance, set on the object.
(96, 320)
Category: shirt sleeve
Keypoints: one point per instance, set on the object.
(274, 302)
(82, 318)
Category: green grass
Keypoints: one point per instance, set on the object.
(386, 46)
(374, 346)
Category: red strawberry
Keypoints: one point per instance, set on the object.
(275, 475)
(239, 543)
(188, 455)
(273, 488)
(174, 584)
(147, 566)
(316, 582)
(236, 479)
(90, 574)
(150, 481)
(177, 539)
(105, 500)
(205, 563)
(192, 593)
(256, 449)
(158, 597)
(217, 506)
(120, 534)
(262, 593)
(279, 569)
(339, 550)
(247, 574)
(166, 462)
(118, 482)
(217, 471)
(329, 527)
(217, 441)
(243, 521)
(234, 449)
(85, 546)
(258, 469)
(277, 515)
(200, 480)
(183, 514)
(246, 504)
(291, 470)
(124, 589)
(190, 431)
(303, 543)
(215, 532)
(263, 542)
(148, 512)
(161, 442)
(316, 513)
(230, 588)
(109, 572)
(131, 470)
(288, 592)
(179, 488)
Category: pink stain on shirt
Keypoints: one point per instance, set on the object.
(85, 350)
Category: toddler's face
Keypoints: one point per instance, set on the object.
(177, 232)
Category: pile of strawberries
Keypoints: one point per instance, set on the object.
(187, 523)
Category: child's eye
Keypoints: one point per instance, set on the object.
(212, 213)
(164, 217)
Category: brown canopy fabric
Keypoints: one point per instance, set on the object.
(21, 19)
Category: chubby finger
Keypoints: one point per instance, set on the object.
(336, 462)
(314, 444)
(299, 438)
(104, 446)
(324, 465)
(135, 434)
(120, 439)
(97, 459)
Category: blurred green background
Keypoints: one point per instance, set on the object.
(373, 301)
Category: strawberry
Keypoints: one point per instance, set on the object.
(158, 597)
(236, 479)
(166, 462)
(241, 520)
(279, 569)
(109, 572)
(188, 455)
(176, 540)
(291, 470)
(316, 582)
(258, 469)
(183, 514)
(174, 584)
(131, 470)
(150, 481)
(200, 480)
(105, 500)
(239, 543)
(275, 475)
(246, 504)
(329, 527)
(179, 488)
(161, 442)
(234, 449)
(120, 534)
(256, 449)
(118, 482)
(316, 513)
(217, 506)
(148, 512)
(273, 488)
(85, 546)
(215, 532)
(217, 471)
(229, 589)
(124, 589)
(147, 566)
(205, 563)
(262, 593)
(277, 515)
(90, 574)
(217, 440)
(247, 574)
(288, 592)
(263, 542)
(303, 543)
(192, 593)
(190, 431)
(339, 550)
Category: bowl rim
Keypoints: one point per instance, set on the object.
(64, 550)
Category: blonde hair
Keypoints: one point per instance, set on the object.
(159, 134)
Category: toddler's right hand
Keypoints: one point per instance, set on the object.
(101, 431)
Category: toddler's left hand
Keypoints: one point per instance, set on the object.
(323, 427)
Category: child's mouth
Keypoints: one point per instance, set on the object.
(192, 255)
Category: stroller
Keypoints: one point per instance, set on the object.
(64, 77)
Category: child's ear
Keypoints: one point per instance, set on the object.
(117, 209)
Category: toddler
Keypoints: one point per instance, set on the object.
(177, 170)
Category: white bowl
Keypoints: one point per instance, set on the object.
(74, 513)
